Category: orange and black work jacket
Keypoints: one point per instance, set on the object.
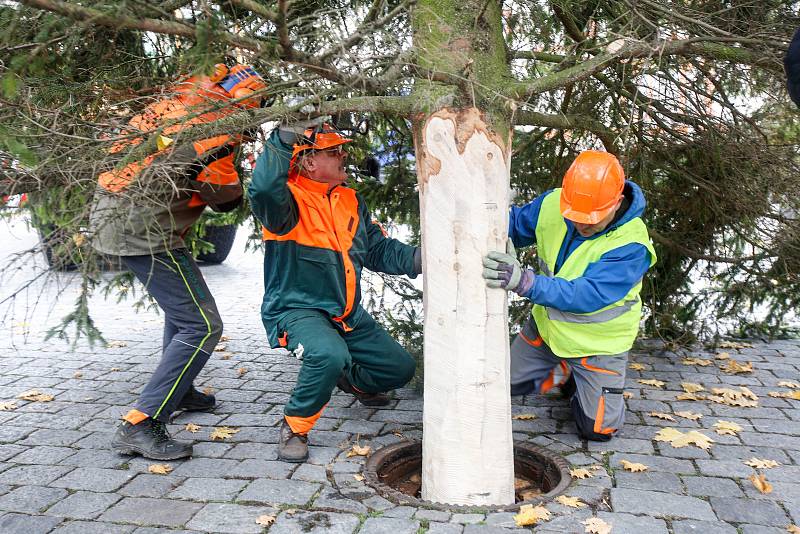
(316, 243)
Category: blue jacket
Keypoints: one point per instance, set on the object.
(605, 281)
(791, 63)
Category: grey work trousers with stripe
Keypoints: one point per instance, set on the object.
(192, 326)
(597, 404)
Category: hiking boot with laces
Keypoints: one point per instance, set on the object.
(195, 401)
(292, 447)
(367, 399)
(149, 439)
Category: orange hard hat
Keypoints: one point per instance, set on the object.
(592, 187)
(319, 138)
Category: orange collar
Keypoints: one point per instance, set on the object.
(311, 185)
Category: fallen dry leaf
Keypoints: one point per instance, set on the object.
(734, 345)
(633, 467)
(358, 450)
(208, 390)
(572, 502)
(116, 344)
(732, 367)
(788, 384)
(691, 387)
(696, 361)
(627, 395)
(35, 395)
(689, 415)
(223, 338)
(690, 397)
(661, 415)
(636, 366)
(77, 374)
(731, 397)
(728, 428)
(746, 393)
(793, 529)
(761, 484)
(524, 417)
(761, 464)
(265, 520)
(794, 395)
(8, 406)
(678, 439)
(220, 347)
(241, 371)
(359, 477)
(193, 428)
(115, 369)
(722, 356)
(225, 355)
(652, 382)
(595, 525)
(580, 473)
(595, 467)
(530, 515)
(160, 469)
(223, 432)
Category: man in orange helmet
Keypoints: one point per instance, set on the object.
(593, 250)
(318, 237)
(141, 212)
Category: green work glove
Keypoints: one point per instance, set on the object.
(503, 270)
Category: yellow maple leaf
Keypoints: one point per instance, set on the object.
(265, 520)
(34, 395)
(734, 345)
(223, 433)
(732, 367)
(220, 347)
(580, 473)
(661, 415)
(530, 515)
(595, 525)
(242, 371)
(788, 384)
(223, 338)
(572, 502)
(636, 366)
(678, 439)
(225, 355)
(727, 428)
(691, 387)
(652, 382)
(758, 463)
(690, 397)
(160, 469)
(8, 406)
(793, 529)
(358, 450)
(722, 356)
(193, 428)
(696, 361)
(747, 394)
(633, 467)
(689, 415)
(524, 417)
(761, 484)
(359, 477)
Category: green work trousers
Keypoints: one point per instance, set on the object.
(372, 361)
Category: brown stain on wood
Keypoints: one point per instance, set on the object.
(467, 121)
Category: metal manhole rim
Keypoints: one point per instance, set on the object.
(400, 498)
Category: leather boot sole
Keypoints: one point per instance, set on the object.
(292, 460)
(130, 450)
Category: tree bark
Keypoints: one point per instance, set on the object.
(463, 170)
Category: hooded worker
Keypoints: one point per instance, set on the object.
(141, 212)
(318, 236)
(593, 250)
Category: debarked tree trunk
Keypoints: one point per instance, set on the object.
(463, 170)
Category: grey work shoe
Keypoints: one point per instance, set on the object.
(195, 401)
(367, 399)
(292, 447)
(149, 439)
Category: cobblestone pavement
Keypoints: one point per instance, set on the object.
(58, 475)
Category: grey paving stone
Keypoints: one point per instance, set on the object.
(230, 518)
(641, 446)
(27, 524)
(31, 499)
(33, 475)
(92, 527)
(565, 524)
(206, 467)
(43, 455)
(279, 491)
(659, 504)
(647, 480)
(83, 505)
(253, 468)
(144, 511)
(702, 527)
(94, 479)
(432, 515)
(712, 487)
(749, 511)
(759, 529)
(314, 523)
(330, 499)
(401, 512)
(726, 468)
(444, 528)
(8, 450)
(364, 428)
(310, 473)
(208, 489)
(631, 524)
(389, 525)
(655, 463)
(467, 519)
(489, 529)
(145, 485)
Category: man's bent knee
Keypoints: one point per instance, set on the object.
(586, 425)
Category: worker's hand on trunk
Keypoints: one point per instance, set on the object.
(503, 270)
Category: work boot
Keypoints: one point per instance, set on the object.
(195, 401)
(569, 387)
(292, 447)
(149, 439)
(367, 399)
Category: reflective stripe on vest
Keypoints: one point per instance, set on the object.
(602, 316)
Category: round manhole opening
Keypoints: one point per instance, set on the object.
(396, 472)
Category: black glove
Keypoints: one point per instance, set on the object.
(292, 134)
